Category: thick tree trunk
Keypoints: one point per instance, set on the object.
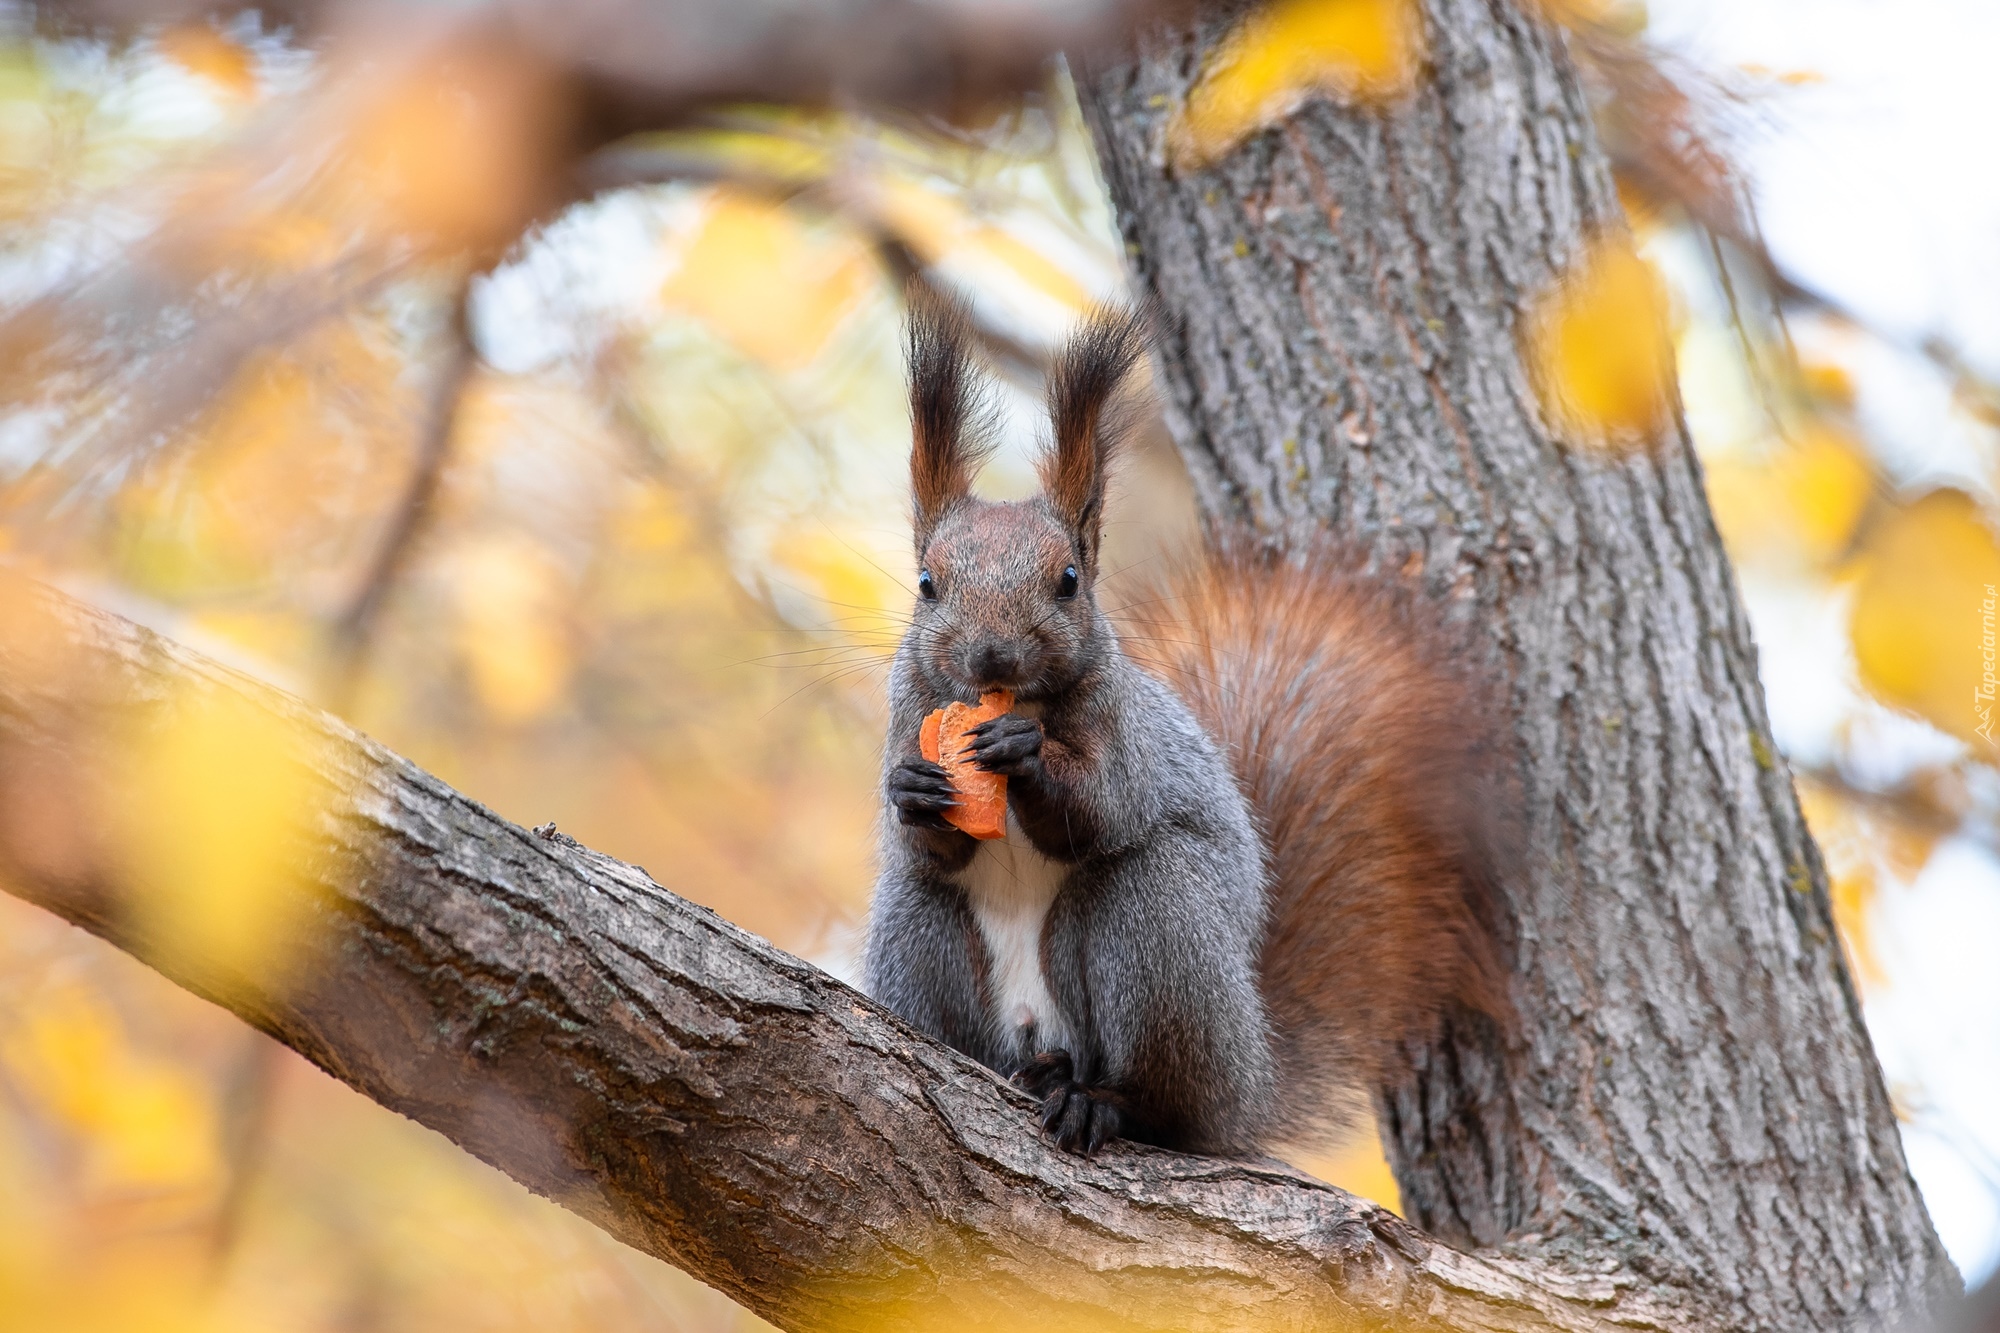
(1692, 1104)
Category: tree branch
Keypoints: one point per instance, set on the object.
(641, 64)
(692, 1089)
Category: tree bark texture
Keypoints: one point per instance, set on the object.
(690, 1088)
(1691, 1104)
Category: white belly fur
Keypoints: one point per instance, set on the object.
(1010, 886)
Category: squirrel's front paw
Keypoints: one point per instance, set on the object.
(921, 793)
(1081, 1118)
(1010, 744)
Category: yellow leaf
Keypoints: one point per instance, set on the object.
(758, 276)
(448, 152)
(782, 152)
(512, 630)
(935, 225)
(929, 221)
(1031, 266)
(1738, 496)
(142, 1124)
(1598, 346)
(1852, 893)
(202, 51)
(1827, 483)
(1923, 622)
(1827, 382)
(1355, 50)
(1801, 506)
(211, 824)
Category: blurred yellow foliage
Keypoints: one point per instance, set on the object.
(845, 577)
(1853, 893)
(1803, 504)
(1599, 346)
(1827, 481)
(446, 148)
(1828, 383)
(1923, 622)
(201, 50)
(272, 472)
(760, 277)
(296, 238)
(210, 819)
(143, 1126)
(1287, 52)
(512, 625)
(938, 226)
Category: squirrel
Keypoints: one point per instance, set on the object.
(1237, 876)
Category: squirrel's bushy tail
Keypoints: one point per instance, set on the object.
(1375, 761)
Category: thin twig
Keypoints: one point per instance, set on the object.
(249, 1103)
(1024, 363)
(352, 633)
(1751, 361)
(655, 458)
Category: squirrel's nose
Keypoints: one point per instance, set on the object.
(993, 663)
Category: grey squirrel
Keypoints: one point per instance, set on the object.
(1235, 878)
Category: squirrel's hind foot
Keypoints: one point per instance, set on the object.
(1082, 1119)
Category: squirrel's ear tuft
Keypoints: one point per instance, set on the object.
(948, 413)
(1091, 414)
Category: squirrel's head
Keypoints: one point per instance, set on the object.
(1006, 592)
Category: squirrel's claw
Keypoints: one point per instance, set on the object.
(1009, 745)
(921, 793)
(1081, 1119)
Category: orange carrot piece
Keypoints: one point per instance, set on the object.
(982, 796)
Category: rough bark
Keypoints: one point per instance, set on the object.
(1691, 1101)
(693, 1090)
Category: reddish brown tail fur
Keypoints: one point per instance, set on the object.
(1375, 762)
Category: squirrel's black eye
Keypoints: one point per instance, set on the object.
(1067, 587)
(926, 586)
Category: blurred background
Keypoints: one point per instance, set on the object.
(606, 526)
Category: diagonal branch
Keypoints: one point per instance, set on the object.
(693, 1090)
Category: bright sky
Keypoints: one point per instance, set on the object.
(1877, 186)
